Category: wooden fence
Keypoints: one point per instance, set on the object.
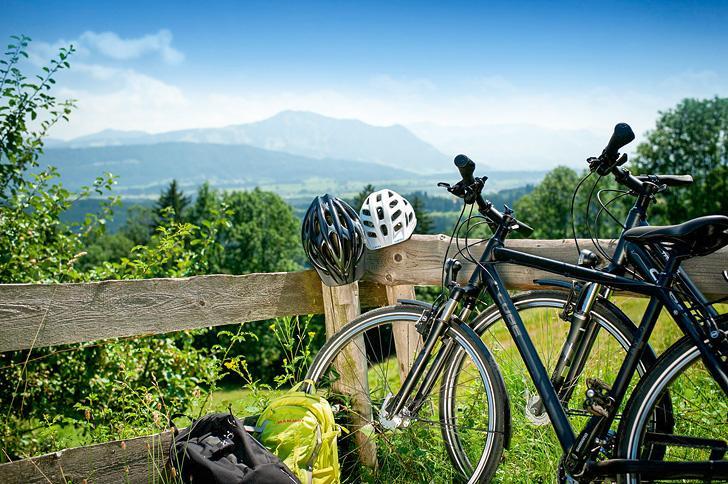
(39, 315)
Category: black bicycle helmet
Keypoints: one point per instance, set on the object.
(333, 240)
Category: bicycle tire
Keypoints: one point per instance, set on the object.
(543, 464)
(677, 369)
(492, 396)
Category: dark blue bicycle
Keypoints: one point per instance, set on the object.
(452, 403)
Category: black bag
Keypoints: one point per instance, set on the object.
(216, 449)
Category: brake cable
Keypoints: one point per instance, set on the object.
(571, 211)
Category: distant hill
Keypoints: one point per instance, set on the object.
(298, 133)
(146, 168)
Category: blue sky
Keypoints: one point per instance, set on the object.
(158, 66)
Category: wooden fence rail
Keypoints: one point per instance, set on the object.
(39, 315)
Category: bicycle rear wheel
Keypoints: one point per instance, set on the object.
(410, 448)
(698, 416)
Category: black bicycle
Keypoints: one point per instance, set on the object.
(452, 403)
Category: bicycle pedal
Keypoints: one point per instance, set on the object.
(597, 402)
(535, 413)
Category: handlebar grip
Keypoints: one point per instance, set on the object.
(622, 135)
(466, 166)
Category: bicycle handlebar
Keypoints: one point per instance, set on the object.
(610, 161)
(622, 136)
(466, 167)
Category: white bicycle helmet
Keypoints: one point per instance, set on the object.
(388, 219)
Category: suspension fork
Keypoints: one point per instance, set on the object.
(442, 357)
(439, 326)
(577, 346)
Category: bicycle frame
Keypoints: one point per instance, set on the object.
(582, 331)
(578, 449)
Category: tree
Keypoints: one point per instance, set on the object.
(547, 207)
(424, 221)
(22, 102)
(206, 203)
(359, 198)
(691, 138)
(263, 236)
(171, 204)
(105, 389)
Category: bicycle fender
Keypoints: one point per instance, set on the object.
(414, 302)
(553, 282)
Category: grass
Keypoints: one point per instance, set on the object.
(534, 453)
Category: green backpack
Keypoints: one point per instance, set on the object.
(299, 428)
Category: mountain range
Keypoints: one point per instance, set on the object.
(298, 133)
(293, 153)
(145, 168)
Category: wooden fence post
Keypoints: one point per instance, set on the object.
(341, 305)
(406, 337)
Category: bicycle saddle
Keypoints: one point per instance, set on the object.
(699, 236)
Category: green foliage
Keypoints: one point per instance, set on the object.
(263, 235)
(105, 389)
(691, 138)
(547, 208)
(424, 220)
(27, 112)
(359, 198)
(171, 205)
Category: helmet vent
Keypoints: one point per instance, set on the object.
(398, 227)
(380, 213)
(393, 203)
(371, 234)
(366, 212)
(384, 230)
(411, 216)
(368, 223)
(379, 197)
(396, 214)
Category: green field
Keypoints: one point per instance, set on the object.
(534, 453)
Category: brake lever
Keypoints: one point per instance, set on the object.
(468, 193)
(598, 164)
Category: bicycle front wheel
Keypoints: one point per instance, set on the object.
(362, 367)
(535, 451)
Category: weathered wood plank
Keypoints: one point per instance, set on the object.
(341, 305)
(139, 460)
(419, 262)
(74, 313)
(406, 338)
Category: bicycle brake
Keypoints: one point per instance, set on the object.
(425, 323)
(568, 311)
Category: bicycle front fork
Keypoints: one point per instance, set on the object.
(401, 405)
(579, 342)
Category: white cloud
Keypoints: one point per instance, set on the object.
(111, 45)
(122, 98)
(135, 102)
(108, 45)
